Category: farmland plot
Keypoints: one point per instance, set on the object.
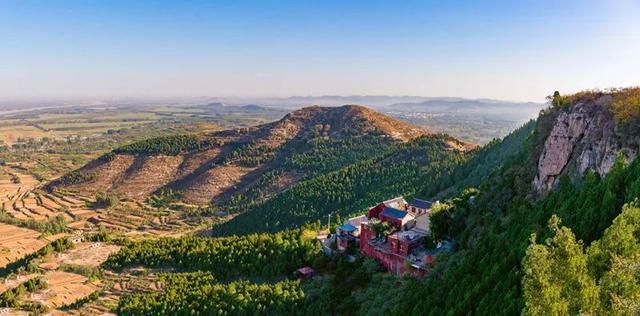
(16, 242)
(63, 288)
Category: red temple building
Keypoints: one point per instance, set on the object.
(402, 251)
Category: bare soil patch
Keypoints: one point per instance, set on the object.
(83, 254)
(63, 288)
(16, 242)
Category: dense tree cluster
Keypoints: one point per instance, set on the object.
(423, 167)
(163, 198)
(351, 189)
(214, 261)
(324, 154)
(71, 178)
(165, 145)
(14, 297)
(491, 232)
(198, 295)
(26, 262)
(105, 200)
(561, 277)
(53, 225)
(257, 255)
(255, 195)
(250, 155)
(308, 157)
(9, 298)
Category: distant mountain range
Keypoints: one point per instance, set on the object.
(472, 120)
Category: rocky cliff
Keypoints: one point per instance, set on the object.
(585, 136)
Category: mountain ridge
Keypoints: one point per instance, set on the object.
(204, 167)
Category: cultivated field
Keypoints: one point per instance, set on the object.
(63, 288)
(42, 145)
(12, 312)
(21, 200)
(14, 281)
(16, 243)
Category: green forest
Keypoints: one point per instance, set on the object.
(271, 256)
(573, 250)
(258, 255)
(164, 145)
(423, 167)
(601, 279)
(198, 294)
(484, 274)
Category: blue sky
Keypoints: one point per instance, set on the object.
(514, 50)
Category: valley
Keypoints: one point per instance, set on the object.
(153, 225)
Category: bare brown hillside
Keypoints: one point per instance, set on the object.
(223, 163)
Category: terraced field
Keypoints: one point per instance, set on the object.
(16, 243)
(25, 204)
(13, 281)
(132, 218)
(12, 312)
(120, 285)
(63, 288)
(21, 198)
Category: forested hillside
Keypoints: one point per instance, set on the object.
(229, 168)
(211, 274)
(602, 279)
(492, 233)
(211, 269)
(424, 167)
(257, 255)
(586, 262)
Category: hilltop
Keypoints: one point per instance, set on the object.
(203, 168)
(501, 225)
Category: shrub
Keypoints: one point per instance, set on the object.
(104, 200)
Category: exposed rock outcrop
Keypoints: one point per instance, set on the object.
(584, 137)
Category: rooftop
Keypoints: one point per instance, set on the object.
(356, 221)
(306, 271)
(394, 212)
(409, 235)
(347, 228)
(418, 203)
(395, 202)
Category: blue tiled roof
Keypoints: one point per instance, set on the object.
(394, 212)
(347, 228)
(420, 203)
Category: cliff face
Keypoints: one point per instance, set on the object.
(582, 138)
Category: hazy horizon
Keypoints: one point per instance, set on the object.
(498, 50)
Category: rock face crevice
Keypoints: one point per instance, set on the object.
(585, 137)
